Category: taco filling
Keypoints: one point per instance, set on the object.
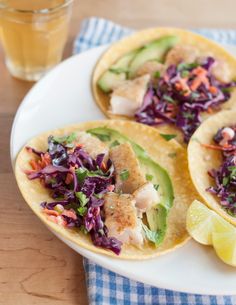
(98, 185)
(167, 83)
(225, 176)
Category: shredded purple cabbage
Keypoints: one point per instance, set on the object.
(164, 103)
(81, 197)
(225, 175)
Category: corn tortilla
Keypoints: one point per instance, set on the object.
(170, 155)
(201, 159)
(124, 46)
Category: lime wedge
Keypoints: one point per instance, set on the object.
(224, 241)
(200, 222)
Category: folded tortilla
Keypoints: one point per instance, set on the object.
(124, 46)
(201, 159)
(170, 155)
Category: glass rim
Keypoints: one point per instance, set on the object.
(41, 11)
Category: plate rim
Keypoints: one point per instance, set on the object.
(82, 251)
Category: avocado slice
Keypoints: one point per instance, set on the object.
(122, 65)
(109, 80)
(116, 73)
(157, 216)
(153, 50)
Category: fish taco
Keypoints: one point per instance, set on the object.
(165, 77)
(107, 188)
(212, 163)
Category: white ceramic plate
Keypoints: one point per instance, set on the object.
(63, 97)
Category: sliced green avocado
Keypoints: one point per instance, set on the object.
(154, 50)
(116, 73)
(122, 65)
(109, 80)
(157, 216)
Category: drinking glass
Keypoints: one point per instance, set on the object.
(33, 35)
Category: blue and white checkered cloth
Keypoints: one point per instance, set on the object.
(106, 287)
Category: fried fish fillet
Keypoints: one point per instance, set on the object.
(128, 96)
(146, 196)
(92, 145)
(150, 67)
(121, 218)
(124, 160)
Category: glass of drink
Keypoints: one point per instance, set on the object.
(33, 35)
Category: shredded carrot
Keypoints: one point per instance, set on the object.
(182, 85)
(199, 71)
(70, 213)
(44, 161)
(217, 147)
(213, 89)
(79, 145)
(103, 166)
(51, 212)
(69, 178)
(158, 120)
(200, 78)
(210, 110)
(34, 164)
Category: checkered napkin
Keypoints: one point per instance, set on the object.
(106, 287)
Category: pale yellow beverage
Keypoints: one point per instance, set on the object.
(33, 35)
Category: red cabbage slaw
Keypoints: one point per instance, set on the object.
(181, 95)
(225, 175)
(77, 184)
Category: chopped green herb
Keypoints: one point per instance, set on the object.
(172, 155)
(183, 92)
(225, 181)
(194, 95)
(168, 137)
(98, 196)
(188, 115)
(65, 139)
(157, 74)
(169, 99)
(51, 180)
(184, 73)
(227, 90)
(82, 198)
(81, 174)
(230, 199)
(114, 143)
(83, 229)
(233, 171)
(149, 177)
(186, 66)
(124, 175)
(156, 186)
(82, 211)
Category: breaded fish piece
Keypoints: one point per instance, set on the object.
(124, 160)
(146, 196)
(181, 53)
(128, 96)
(121, 218)
(92, 145)
(150, 67)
